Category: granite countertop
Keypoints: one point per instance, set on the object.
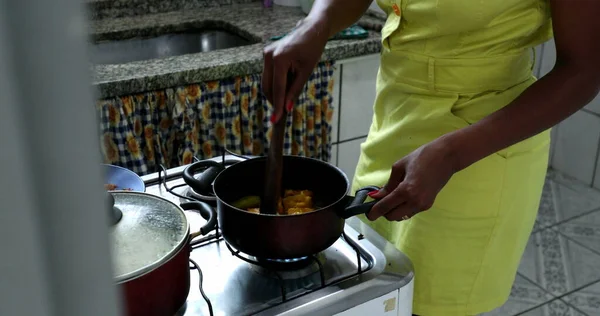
(250, 20)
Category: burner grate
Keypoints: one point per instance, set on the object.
(358, 255)
(269, 267)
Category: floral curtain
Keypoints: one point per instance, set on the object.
(171, 126)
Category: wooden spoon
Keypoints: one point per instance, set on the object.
(273, 177)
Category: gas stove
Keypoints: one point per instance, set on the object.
(360, 274)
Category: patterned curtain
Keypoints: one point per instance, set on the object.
(171, 126)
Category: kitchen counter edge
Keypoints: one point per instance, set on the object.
(112, 80)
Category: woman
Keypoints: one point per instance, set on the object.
(459, 140)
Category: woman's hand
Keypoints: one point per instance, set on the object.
(290, 61)
(415, 182)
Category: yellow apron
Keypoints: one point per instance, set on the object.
(446, 64)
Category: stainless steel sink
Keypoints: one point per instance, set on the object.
(136, 49)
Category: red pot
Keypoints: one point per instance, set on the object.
(151, 250)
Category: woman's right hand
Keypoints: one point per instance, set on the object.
(289, 62)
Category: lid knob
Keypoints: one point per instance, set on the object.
(115, 214)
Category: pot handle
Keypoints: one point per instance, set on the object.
(206, 211)
(358, 205)
(202, 184)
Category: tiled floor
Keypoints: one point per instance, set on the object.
(559, 274)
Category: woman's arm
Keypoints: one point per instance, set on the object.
(416, 179)
(290, 61)
(574, 82)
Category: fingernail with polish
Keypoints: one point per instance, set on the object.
(372, 193)
(273, 118)
(290, 106)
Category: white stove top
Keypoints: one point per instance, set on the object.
(360, 267)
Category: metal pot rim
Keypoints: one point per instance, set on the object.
(169, 255)
(149, 268)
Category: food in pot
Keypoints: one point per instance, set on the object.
(292, 202)
(247, 202)
(112, 187)
(297, 202)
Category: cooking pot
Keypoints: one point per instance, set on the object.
(268, 236)
(151, 248)
(122, 178)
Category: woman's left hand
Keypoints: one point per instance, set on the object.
(415, 182)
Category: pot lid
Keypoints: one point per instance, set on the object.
(149, 232)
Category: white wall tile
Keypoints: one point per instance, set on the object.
(539, 55)
(548, 58)
(577, 145)
(336, 104)
(358, 94)
(334, 154)
(375, 7)
(594, 105)
(348, 155)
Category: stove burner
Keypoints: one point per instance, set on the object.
(288, 269)
(283, 276)
(284, 264)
